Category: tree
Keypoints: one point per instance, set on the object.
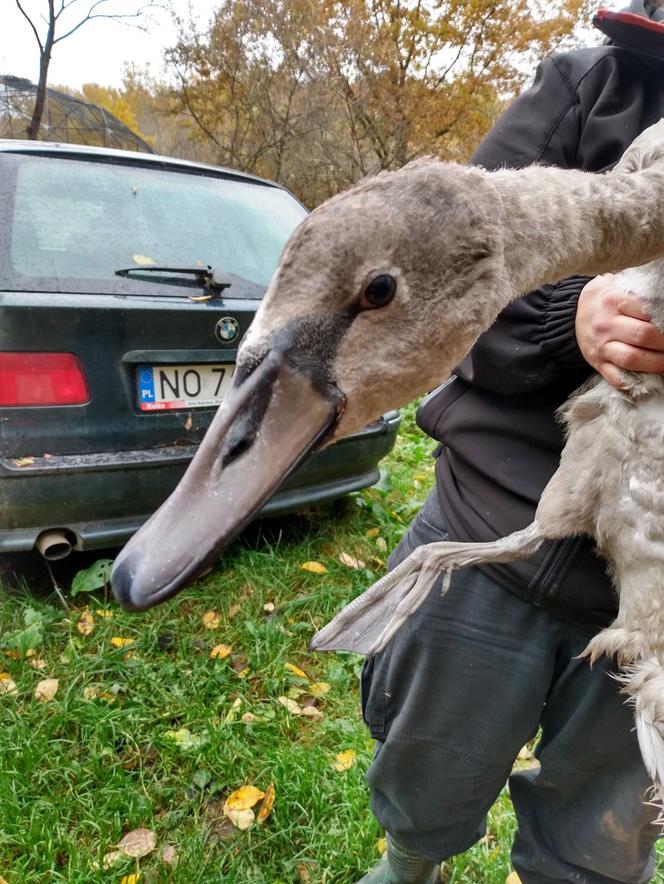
(66, 16)
(318, 93)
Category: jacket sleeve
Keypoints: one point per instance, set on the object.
(532, 343)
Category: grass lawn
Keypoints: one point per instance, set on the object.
(147, 730)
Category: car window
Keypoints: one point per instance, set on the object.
(72, 223)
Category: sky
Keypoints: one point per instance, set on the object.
(97, 52)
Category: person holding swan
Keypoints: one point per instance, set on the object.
(473, 674)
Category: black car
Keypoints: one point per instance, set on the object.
(126, 284)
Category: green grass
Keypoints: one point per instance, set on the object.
(78, 773)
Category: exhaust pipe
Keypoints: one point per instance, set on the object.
(53, 545)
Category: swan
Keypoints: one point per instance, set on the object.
(380, 292)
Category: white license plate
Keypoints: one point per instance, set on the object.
(165, 387)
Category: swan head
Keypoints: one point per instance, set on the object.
(379, 293)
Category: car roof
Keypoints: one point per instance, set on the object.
(55, 148)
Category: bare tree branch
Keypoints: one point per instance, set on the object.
(29, 21)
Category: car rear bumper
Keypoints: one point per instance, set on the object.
(101, 499)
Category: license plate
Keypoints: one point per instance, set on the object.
(166, 387)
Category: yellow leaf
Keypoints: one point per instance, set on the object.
(319, 689)
(248, 717)
(131, 879)
(13, 655)
(91, 692)
(293, 707)
(381, 543)
(525, 754)
(37, 663)
(291, 667)
(119, 642)
(243, 673)
(268, 801)
(233, 611)
(46, 690)
(218, 652)
(373, 532)
(313, 567)
(351, 561)
(381, 845)
(244, 798)
(7, 684)
(86, 623)
(143, 260)
(268, 607)
(138, 842)
(100, 612)
(211, 620)
(345, 760)
(513, 878)
(23, 461)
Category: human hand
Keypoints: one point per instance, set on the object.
(614, 333)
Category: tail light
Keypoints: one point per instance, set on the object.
(41, 379)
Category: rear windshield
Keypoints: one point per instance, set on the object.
(66, 225)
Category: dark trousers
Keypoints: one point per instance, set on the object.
(462, 687)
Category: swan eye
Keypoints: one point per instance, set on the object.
(378, 292)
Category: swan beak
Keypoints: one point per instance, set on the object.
(272, 418)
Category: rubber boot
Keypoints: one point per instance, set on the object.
(400, 865)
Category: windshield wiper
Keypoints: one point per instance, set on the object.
(213, 279)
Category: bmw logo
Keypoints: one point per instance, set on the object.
(227, 329)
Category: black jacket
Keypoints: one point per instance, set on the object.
(501, 442)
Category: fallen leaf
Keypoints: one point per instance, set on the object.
(319, 689)
(170, 856)
(268, 607)
(381, 543)
(243, 798)
(211, 620)
(241, 819)
(232, 713)
(243, 673)
(266, 806)
(249, 717)
(188, 424)
(100, 612)
(119, 642)
(185, 739)
(312, 712)
(131, 879)
(218, 652)
(111, 858)
(91, 692)
(345, 760)
(86, 623)
(13, 655)
(200, 297)
(24, 461)
(37, 663)
(513, 878)
(313, 567)
(7, 684)
(143, 260)
(291, 667)
(46, 690)
(293, 707)
(372, 532)
(138, 842)
(381, 845)
(233, 611)
(304, 871)
(351, 561)
(525, 754)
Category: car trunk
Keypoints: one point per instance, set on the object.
(115, 338)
